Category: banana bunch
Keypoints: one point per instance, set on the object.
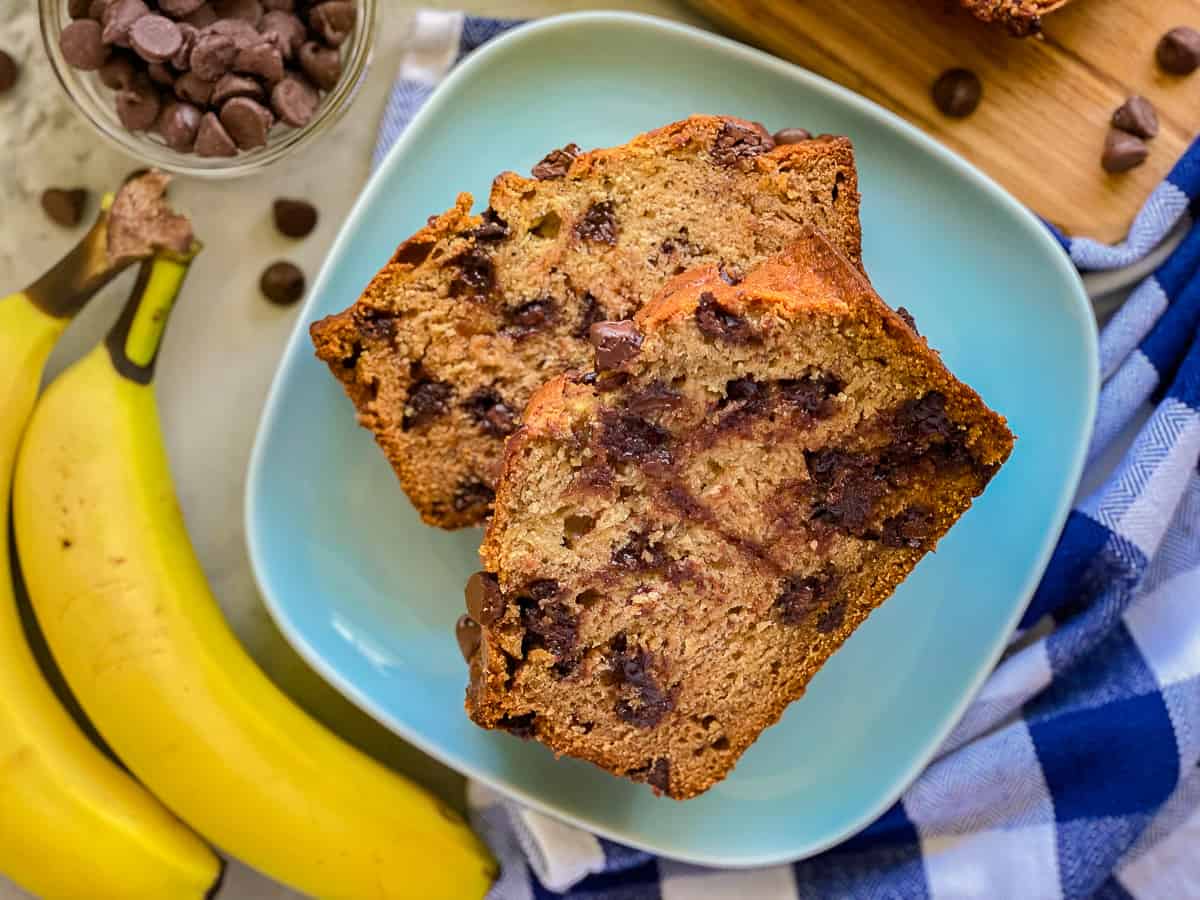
(132, 624)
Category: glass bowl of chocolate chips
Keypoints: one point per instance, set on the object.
(210, 88)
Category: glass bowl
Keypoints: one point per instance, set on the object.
(96, 102)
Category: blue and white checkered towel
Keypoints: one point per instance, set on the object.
(1074, 773)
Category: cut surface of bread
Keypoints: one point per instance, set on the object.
(1020, 17)
(683, 536)
(474, 312)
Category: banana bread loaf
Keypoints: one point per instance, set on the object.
(683, 536)
(473, 313)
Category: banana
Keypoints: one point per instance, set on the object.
(132, 623)
(72, 823)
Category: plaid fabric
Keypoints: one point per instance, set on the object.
(1074, 773)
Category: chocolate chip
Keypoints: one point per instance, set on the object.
(489, 411)
(64, 206)
(630, 438)
(282, 283)
(82, 46)
(117, 73)
(1123, 152)
(736, 144)
(279, 5)
(240, 10)
(519, 726)
(155, 38)
(549, 623)
(333, 21)
(9, 73)
(485, 603)
(375, 324)
(240, 31)
(178, 123)
(322, 65)
(731, 273)
(472, 494)
(850, 487)
(598, 224)
(469, 636)
(957, 92)
(653, 399)
(812, 396)
(904, 314)
(831, 617)
(286, 30)
(181, 59)
(556, 163)
(642, 702)
(263, 59)
(230, 85)
(493, 228)
(119, 17)
(79, 9)
(792, 136)
(98, 9)
(294, 218)
(212, 139)
(177, 9)
(922, 421)
(529, 317)
(910, 528)
(616, 343)
(716, 322)
(1137, 116)
(476, 274)
(294, 100)
(638, 554)
(247, 122)
(591, 313)
(801, 594)
(427, 400)
(139, 104)
(202, 17)
(161, 74)
(212, 55)
(1178, 51)
(656, 774)
(191, 87)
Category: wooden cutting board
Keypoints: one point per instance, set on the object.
(1047, 101)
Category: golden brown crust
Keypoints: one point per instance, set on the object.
(409, 328)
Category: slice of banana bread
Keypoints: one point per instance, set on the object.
(1021, 17)
(683, 536)
(473, 313)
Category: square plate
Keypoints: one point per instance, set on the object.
(369, 595)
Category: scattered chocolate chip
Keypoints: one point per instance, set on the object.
(735, 144)
(1137, 116)
(910, 528)
(155, 38)
(556, 163)
(286, 31)
(178, 123)
(598, 224)
(230, 85)
(957, 92)
(82, 45)
(485, 603)
(212, 55)
(139, 104)
(716, 322)
(469, 636)
(64, 206)
(471, 494)
(1122, 152)
(212, 139)
(294, 218)
(616, 343)
(476, 274)
(294, 100)
(803, 594)
(247, 122)
(9, 73)
(322, 65)
(333, 21)
(493, 228)
(191, 87)
(904, 314)
(630, 438)
(282, 283)
(117, 73)
(792, 136)
(1178, 51)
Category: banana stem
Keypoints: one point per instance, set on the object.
(71, 282)
(135, 339)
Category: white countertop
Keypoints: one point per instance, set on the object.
(225, 339)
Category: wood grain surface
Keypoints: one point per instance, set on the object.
(1047, 100)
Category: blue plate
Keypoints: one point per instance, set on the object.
(369, 595)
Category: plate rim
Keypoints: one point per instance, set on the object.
(1079, 306)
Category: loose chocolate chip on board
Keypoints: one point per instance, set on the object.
(82, 46)
(178, 124)
(615, 342)
(322, 65)
(957, 92)
(155, 38)
(9, 73)
(792, 136)
(556, 163)
(294, 100)
(282, 283)
(64, 207)
(1178, 51)
(333, 21)
(212, 139)
(485, 603)
(469, 636)
(1137, 116)
(294, 218)
(1122, 152)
